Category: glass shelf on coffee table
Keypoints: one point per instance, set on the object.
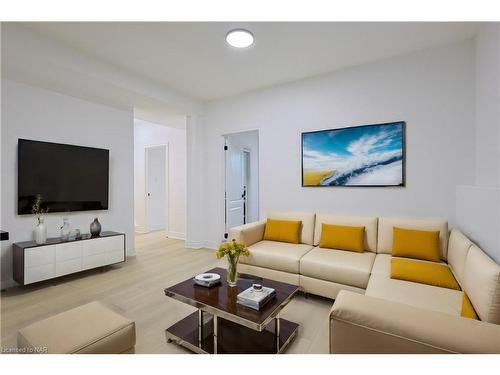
(223, 326)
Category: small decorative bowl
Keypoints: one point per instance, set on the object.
(257, 287)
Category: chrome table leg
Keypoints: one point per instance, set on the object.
(277, 332)
(200, 327)
(215, 334)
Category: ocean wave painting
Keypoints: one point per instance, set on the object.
(369, 155)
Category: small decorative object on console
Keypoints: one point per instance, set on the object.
(65, 229)
(95, 228)
(75, 235)
(41, 228)
(256, 296)
(232, 250)
(207, 279)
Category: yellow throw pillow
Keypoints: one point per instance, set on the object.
(342, 237)
(429, 273)
(283, 230)
(417, 244)
(467, 308)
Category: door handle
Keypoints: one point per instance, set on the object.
(149, 194)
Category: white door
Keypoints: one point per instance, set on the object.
(156, 187)
(234, 185)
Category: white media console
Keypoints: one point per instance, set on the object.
(33, 263)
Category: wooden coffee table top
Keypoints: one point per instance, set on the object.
(221, 300)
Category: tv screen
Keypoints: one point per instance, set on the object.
(67, 177)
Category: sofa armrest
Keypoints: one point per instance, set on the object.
(248, 233)
(362, 324)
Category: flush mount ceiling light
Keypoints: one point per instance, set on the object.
(239, 38)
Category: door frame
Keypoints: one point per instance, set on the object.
(167, 183)
(223, 225)
(248, 152)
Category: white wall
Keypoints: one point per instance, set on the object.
(35, 59)
(478, 201)
(432, 90)
(487, 105)
(195, 184)
(250, 140)
(149, 134)
(34, 113)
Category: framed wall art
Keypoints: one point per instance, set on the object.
(367, 155)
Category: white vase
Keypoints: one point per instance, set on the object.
(65, 229)
(41, 233)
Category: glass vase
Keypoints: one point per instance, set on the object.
(232, 272)
(40, 232)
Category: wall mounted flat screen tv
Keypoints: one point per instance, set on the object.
(67, 177)
(368, 155)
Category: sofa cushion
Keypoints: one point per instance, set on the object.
(283, 230)
(458, 247)
(342, 237)
(307, 222)
(339, 266)
(482, 284)
(423, 272)
(279, 256)
(382, 265)
(417, 244)
(448, 301)
(468, 310)
(386, 225)
(369, 222)
(248, 233)
(419, 295)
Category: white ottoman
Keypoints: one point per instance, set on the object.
(91, 328)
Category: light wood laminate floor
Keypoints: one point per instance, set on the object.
(135, 289)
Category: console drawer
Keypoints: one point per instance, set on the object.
(69, 266)
(93, 261)
(67, 251)
(39, 273)
(37, 256)
(115, 243)
(102, 245)
(115, 256)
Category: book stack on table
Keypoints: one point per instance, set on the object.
(255, 299)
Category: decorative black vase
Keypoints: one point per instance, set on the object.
(95, 228)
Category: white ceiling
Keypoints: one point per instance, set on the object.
(194, 59)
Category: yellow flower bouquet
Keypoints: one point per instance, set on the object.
(232, 250)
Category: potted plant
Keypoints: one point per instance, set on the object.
(232, 250)
(40, 229)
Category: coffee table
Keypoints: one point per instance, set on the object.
(223, 326)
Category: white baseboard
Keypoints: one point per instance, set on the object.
(210, 245)
(201, 245)
(194, 244)
(141, 230)
(176, 235)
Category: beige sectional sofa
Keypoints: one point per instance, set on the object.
(373, 313)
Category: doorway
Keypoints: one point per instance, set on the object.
(156, 187)
(241, 196)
